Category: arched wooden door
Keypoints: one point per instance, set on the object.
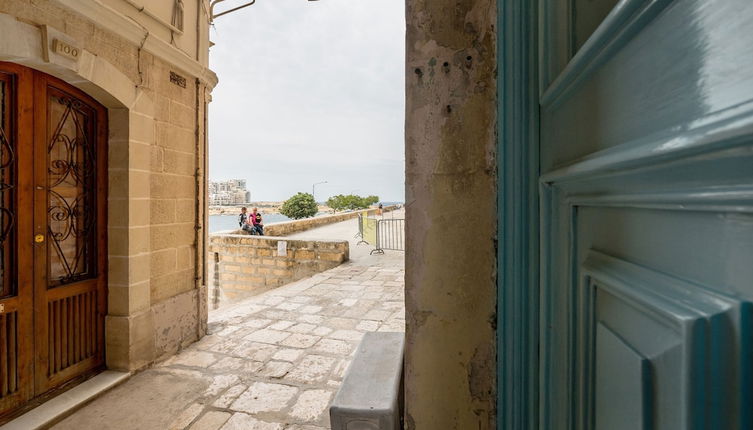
(52, 234)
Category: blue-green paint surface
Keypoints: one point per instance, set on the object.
(640, 141)
(517, 309)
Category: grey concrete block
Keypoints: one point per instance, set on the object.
(369, 397)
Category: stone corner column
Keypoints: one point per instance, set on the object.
(129, 325)
(451, 227)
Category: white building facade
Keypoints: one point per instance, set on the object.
(230, 192)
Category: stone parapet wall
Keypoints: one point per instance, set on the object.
(289, 227)
(242, 266)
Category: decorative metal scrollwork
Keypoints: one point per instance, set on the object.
(81, 168)
(71, 193)
(7, 158)
(7, 186)
(73, 219)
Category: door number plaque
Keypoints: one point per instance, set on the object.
(65, 49)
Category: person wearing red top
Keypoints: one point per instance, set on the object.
(255, 219)
(244, 222)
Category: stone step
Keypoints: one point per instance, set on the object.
(59, 407)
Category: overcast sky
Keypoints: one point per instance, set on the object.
(310, 92)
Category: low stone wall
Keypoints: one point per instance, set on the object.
(242, 266)
(289, 227)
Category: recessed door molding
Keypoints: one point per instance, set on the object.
(699, 335)
(623, 23)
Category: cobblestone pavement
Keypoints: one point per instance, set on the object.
(272, 362)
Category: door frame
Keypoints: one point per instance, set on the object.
(518, 301)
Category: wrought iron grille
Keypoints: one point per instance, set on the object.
(7, 187)
(71, 190)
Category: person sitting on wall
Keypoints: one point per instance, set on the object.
(245, 222)
(242, 217)
(255, 219)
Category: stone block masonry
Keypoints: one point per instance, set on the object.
(243, 266)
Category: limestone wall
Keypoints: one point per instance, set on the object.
(242, 266)
(289, 227)
(450, 297)
(156, 86)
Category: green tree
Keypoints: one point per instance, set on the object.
(301, 205)
(340, 202)
(335, 202)
(343, 202)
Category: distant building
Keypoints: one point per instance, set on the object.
(230, 192)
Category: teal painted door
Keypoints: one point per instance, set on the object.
(646, 214)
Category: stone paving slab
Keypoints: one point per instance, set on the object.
(272, 362)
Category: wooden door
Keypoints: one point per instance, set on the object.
(53, 235)
(646, 155)
(69, 202)
(16, 276)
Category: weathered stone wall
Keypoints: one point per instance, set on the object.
(157, 154)
(450, 174)
(243, 266)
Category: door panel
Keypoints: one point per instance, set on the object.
(52, 234)
(16, 290)
(622, 373)
(69, 212)
(646, 154)
(685, 336)
(652, 67)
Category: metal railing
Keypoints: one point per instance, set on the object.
(384, 234)
(360, 228)
(367, 230)
(390, 235)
